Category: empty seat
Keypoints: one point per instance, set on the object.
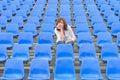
(20, 52)
(96, 19)
(116, 8)
(14, 69)
(104, 7)
(22, 13)
(115, 28)
(87, 51)
(103, 38)
(64, 51)
(64, 70)
(25, 7)
(49, 19)
(90, 69)
(6, 39)
(3, 21)
(39, 69)
(109, 51)
(113, 69)
(31, 28)
(33, 20)
(43, 51)
(37, 13)
(99, 27)
(84, 38)
(13, 8)
(12, 28)
(118, 39)
(80, 19)
(47, 29)
(45, 38)
(112, 19)
(25, 38)
(3, 53)
(17, 20)
(82, 27)
(108, 13)
(7, 13)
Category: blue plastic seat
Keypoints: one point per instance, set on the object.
(113, 69)
(90, 69)
(87, 51)
(14, 69)
(65, 13)
(3, 21)
(47, 29)
(49, 19)
(26, 38)
(43, 51)
(22, 13)
(37, 13)
(45, 38)
(101, 2)
(112, 19)
(107, 13)
(13, 8)
(7, 13)
(76, 2)
(21, 52)
(88, 2)
(82, 27)
(109, 51)
(28, 2)
(64, 51)
(39, 70)
(38, 6)
(4, 4)
(25, 7)
(104, 7)
(113, 3)
(12, 28)
(33, 20)
(93, 13)
(103, 38)
(99, 27)
(31, 28)
(116, 9)
(91, 7)
(50, 11)
(6, 39)
(3, 53)
(84, 38)
(17, 20)
(16, 2)
(118, 39)
(115, 28)
(64, 70)
(96, 19)
(80, 19)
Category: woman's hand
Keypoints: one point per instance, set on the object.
(59, 26)
(67, 41)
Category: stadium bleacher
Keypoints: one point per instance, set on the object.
(28, 48)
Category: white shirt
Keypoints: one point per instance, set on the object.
(68, 34)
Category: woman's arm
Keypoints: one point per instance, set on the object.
(71, 33)
(60, 36)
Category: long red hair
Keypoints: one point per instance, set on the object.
(64, 23)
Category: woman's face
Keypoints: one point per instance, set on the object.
(60, 25)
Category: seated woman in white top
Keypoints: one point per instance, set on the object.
(64, 32)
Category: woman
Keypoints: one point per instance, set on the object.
(64, 32)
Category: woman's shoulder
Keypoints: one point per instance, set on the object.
(69, 27)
